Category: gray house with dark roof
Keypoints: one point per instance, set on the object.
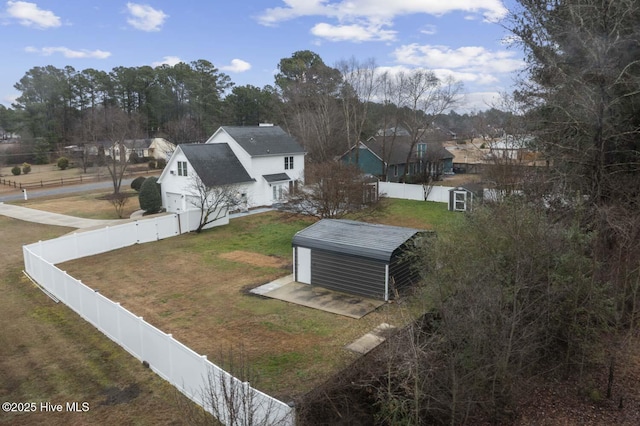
(261, 162)
(400, 158)
(355, 257)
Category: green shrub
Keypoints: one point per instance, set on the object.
(16, 170)
(161, 163)
(152, 164)
(136, 184)
(63, 163)
(149, 197)
(483, 146)
(26, 168)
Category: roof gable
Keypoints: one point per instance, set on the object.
(398, 149)
(215, 164)
(355, 238)
(264, 140)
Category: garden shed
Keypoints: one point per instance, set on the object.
(463, 198)
(355, 257)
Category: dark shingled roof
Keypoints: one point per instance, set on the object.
(354, 238)
(264, 140)
(215, 163)
(277, 177)
(401, 146)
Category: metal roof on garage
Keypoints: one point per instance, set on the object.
(354, 238)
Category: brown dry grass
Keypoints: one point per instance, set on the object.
(48, 353)
(195, 287)
(90, 205)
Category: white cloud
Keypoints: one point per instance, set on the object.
(30, 15)
(355, 32)
(346, 10)
(477, 101)
(237, 65)
(429, 30)
(145, 18)
(167, 60)
(476, 59)
(69, 53)
(466, 77)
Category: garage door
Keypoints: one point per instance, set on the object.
(349, 274)
(174, 202)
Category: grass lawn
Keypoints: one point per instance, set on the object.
(195, 286)
(49, 354)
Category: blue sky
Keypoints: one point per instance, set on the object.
(247, 38)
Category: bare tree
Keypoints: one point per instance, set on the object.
(214, 201)
(114, 126)
(333, 190)
(424, 97)
(359, 85)
(389, 92)
(118, 201)
(228, 398)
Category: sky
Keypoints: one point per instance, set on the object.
(246, 39)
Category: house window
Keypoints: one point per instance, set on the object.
(421, 150)
(182, 168)
(288, 163)
(395, 170)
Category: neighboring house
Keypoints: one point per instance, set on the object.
(511, 148)
(157, 148)
(355, 257)
(377, 154)
(264, 162)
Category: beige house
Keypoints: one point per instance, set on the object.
(158, 148)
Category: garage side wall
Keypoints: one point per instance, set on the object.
(402, 274)
(350, 274)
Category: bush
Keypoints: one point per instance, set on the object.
(63, 163)
(161, 163)
(149, 197)
(136, 184)
(152, 164)
(16, 170)
(26, 168)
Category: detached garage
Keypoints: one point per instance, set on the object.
(354, 257)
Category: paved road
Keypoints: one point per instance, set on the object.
(61, 190)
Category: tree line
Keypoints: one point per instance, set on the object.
(327, 108)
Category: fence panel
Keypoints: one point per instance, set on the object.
(146, 231)
(90, 243)
(167, 357)
(155, 350)
(188, 370)
(407, 191)
(168, 226)
(108, 317)
(130, 334)
(121, 236)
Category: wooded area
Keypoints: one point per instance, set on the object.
(328, 109)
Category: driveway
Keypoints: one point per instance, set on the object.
(47, 218)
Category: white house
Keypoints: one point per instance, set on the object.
(263, 162)
(158, 148)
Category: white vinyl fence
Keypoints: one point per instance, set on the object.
(189, 372)
(409, 191)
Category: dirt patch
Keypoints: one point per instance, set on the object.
(255, 259)
(115, 396)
